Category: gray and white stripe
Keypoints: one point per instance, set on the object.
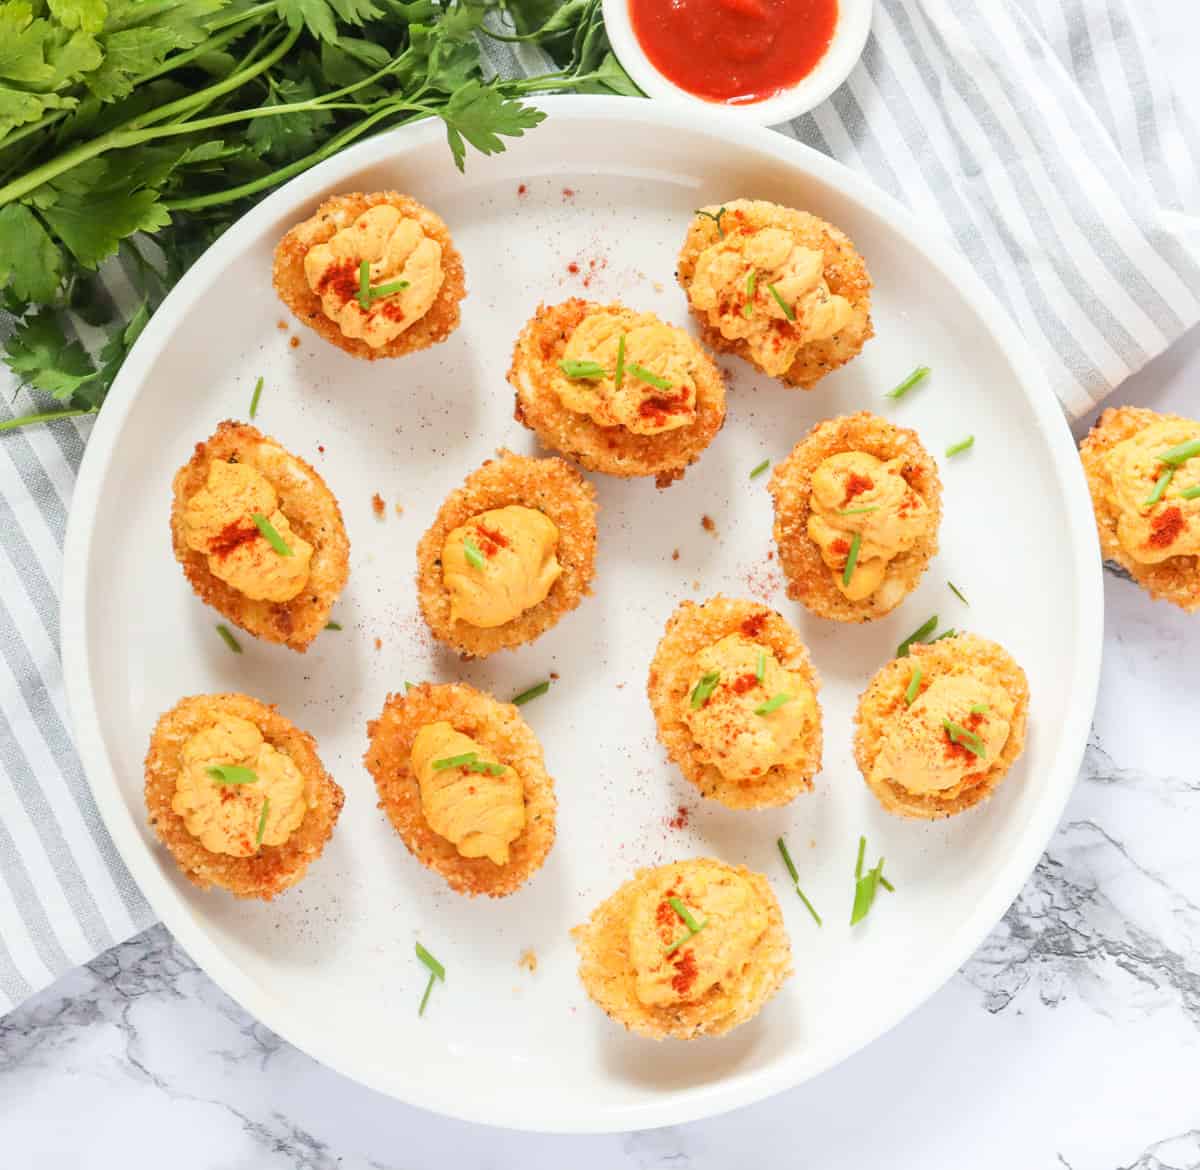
(1037, 133)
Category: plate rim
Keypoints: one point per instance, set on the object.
(696, 1102)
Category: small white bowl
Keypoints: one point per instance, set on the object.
(845, 48)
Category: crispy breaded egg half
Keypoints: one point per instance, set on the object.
(462, 778)
(509, 553)
(408, 298)
(276, 577)
(1143, 471)
(238, 795)
(734, 695)
(858, 503)
(781, 288)
(938, 729)
(621, 392)
(645, 963)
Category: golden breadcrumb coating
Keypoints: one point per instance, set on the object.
(550, 486)
(274, 867)
(611, 450)
(1177, 579)
(337, 212)
(844, 271)
(313, 513)
(810, 580)
(963, 654)
(607, 972)
(501, 730)
(689, 630)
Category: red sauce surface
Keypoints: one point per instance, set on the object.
(734, 51)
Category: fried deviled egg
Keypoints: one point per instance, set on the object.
(510, 552)
(781, 288)
(735, 699)
(259, 535)
(689, 949)
(857, 508)
(1143, 470)
(377, 275)
(939, 728)
(620, 391)
(462, 778)
(238, 794)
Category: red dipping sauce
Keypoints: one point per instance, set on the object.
(734, 51)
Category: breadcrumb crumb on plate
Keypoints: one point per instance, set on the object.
(275, 867)
(499, 728)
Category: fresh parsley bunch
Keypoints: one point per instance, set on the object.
(144, 128)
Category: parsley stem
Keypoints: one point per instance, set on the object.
(47, 416)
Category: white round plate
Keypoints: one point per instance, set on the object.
(594, 202)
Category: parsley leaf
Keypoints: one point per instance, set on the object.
(480, 114)
(39, 353)
(30, 261)
(320, 17)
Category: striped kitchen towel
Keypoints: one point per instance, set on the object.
(1039, 134)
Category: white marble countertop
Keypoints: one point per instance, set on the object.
(1071, 1039)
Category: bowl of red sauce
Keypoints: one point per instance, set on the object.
(770, 59)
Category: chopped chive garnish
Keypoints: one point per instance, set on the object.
(961, 446)
(852, 558)
(1190, 493)
(920, 634)
(979, 708)
(761, 669)
(865, 889)
(858, 511)
(914, 685)
(915, 378)
(968, 739)
(436, 971)
(388, 290)
(262, 822)
(228, 638)
(760, 469)
(272, 537)
(366, 294)
(684, 913)
(691, 934)
(333, 625)
(858, 864)
(472, 553)
(619, 372)
(788, 311)
(591, 371)
(1182, 453)
(891, 889)
(1159, 488)
(791, 868)
(751, 285)
(408, 686)
(704, 688)
(715, 218)
(255, 397)
(957, 592)
(950, 633)
(649, 377)
(425, 998)
(455, 761)
(773, 704)
(485, 768)
(533, 693)
(232, 774)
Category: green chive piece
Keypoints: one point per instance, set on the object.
(862, 849)
(455, 761)
(950, 633)
(891, 889)
(425, 997)
(619, 373)
(773, 704)
(957, 593)
(913, 688)
(534, 692)
(865, 889)
(472, 553)
(788, 311)
(852, 559)
(388, 290)
(333, 625)
(685, 914)
(751, 286)
(364, 285)
(760, 469)
(590, 371)
(791, 868)
(691, 934)
(914, 379)
(435, 968)
(410, 686)
(649, 377)
(979, 708)
(485, 768)
(262, 822)
(1159, 488)
(258, 387)
(715, 218)
(704, 688)
(968, 739)
(858, 511)
(1191, 493)
(961, 446)
(273, 538)
(920, 634)
(232, 774)
(228, 638)
(761, 669)
(809, 906)
(1182, 453)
